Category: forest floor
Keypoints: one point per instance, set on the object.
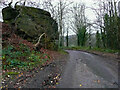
(40, 76)
(21, 62)
(50, 75)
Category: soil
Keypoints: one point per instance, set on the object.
(45, 76)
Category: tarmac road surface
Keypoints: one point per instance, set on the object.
(85, 70)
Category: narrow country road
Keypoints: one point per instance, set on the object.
(85, 70)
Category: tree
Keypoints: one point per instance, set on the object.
(119, 29)
(119, 8)
(79, 23)
(98, 39)
(62, 11)
(58, 12)
(67, 37)
(107, 14)
(89, 36)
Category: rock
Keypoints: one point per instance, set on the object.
(9, 14)
(31, 23)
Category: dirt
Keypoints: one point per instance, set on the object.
(50, 75)
(45, 76)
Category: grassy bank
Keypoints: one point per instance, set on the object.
(62, 51)
(21, 58)
(92, 49)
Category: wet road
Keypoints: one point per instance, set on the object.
(85, 70)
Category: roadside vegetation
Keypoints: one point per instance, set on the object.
(21, 58)
(91, 49)
(62, 51)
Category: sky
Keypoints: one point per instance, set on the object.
(88, 3)
(88, 12)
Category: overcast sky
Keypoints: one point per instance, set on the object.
(88, 3)
(88, 12)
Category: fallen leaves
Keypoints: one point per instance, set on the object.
(57, 76)
(56, 83)
(41, 68)
(1, 87)
(20, 75)
(97, 81)
(8, 76)
(51, 81)
(80, 85)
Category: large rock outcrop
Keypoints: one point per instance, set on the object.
(31, 23)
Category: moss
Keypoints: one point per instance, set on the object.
(32, 22)
(9, 14)
(12, 73)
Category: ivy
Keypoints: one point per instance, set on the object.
(22, 57)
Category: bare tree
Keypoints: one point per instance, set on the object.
(78, 24)
(58, 12)
(62, 11)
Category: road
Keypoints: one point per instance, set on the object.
(85, 70)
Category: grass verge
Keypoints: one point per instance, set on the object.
(62, 51)
(92, 49)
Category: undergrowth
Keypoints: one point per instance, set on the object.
(22, 57)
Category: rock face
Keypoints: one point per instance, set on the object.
(9, 13)
(31, 23)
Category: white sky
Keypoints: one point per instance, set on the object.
(88, 12)
(88, 3)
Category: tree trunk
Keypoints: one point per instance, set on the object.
(78, 40)
(119, 7)
(67, 39)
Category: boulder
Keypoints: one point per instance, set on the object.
(31, 22)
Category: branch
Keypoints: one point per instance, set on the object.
(39, 40)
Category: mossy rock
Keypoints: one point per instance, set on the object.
(9, 13)
(32, 22)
